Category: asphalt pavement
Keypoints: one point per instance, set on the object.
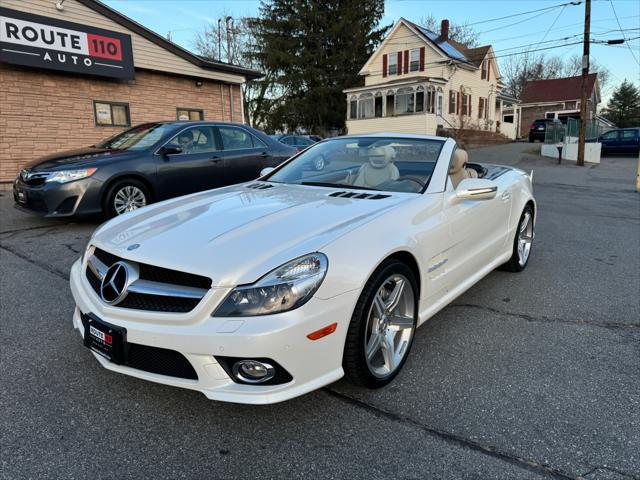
(526, 376)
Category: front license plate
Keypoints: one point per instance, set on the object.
(104, 338)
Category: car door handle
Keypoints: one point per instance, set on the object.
(505, 196)
(265, 154)
(216, 159)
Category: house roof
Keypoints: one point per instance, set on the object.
(453, 49)
(150, 35)
(556, 89)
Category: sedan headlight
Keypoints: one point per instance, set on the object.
(65, 176)
(285, 288)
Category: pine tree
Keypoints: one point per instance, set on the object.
(317, 48)
(623, 108)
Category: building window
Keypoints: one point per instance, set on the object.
(484, 72)
(550, 115)
(453, 101)
(393, 64)
(189, 114)
(420, 99)
(378, 105)
(439, 101)
(431, 100)
(365, 106)
(507, 118)
(353, 108)
(570, 105)
(466, 104)
(111, 114)
(404, 101)
(415, 60)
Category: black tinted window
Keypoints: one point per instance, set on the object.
(234, 138)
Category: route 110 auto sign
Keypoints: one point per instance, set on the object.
(43, 42)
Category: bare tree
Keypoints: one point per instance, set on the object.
(259, 96)
(460, 32)
(518, 69)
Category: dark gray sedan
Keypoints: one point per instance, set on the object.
(148, 163)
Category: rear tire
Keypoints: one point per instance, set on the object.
(125, 196)
(382, 326)
(522, 243)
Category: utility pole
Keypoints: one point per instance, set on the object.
(585, 77)
(219, 40)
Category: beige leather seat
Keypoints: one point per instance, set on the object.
(457, 170)
(380, 168)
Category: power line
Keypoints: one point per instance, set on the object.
(526, 13)
(623, 35)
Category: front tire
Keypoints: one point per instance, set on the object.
(382, 326)
(125, 196)
(522, 242)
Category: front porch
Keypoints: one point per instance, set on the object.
(409, 106)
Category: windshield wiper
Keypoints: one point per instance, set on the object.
(336, 185)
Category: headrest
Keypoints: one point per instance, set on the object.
(459, 160)
(380, 157)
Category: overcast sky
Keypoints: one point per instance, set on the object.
(184, 18)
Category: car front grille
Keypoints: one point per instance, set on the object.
(160, 361)
(156, 289)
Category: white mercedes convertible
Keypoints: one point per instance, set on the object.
(322, 267)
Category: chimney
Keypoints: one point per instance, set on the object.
(444, 29)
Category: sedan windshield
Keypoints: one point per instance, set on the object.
(369, 163)
(137, 138)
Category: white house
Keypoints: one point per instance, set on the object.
(418, 80)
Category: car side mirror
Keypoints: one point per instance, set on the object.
(266, 171)
(476, 189)
(170, 150)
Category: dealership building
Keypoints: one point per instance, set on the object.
(74, 72)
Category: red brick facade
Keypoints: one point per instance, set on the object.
(43, 112)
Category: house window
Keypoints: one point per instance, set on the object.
(391, 96)
(365, 106)
(439, 101)
(393, 64)
(420, 99)
(414, 64)
(431, 99)
(353, 108)
(377, 107)
(484, 71)
(404, 101)
(550, 115)
(570, 105)
(112, 114)
(482, 107)
(453, 101)
(189, 114)
(465, 99)
(507, 118)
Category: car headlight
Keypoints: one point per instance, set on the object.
(65, 176)
(285, 288)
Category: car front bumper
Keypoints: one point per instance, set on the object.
(80, 197)
(198, 337)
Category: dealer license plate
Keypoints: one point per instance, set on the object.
(104, 339)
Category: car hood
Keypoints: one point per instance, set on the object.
(236, 234)
(77, 158)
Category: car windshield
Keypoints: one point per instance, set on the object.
(137, 138)
(369, 163)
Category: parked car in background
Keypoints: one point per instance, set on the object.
(299, 142)
(622, 140)
(145, 164)
(538, 129)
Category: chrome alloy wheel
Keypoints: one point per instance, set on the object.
(390, 326)
(129, 198)
(525, 238)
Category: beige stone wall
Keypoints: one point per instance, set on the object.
(43, 112)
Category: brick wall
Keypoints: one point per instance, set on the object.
(46, 112)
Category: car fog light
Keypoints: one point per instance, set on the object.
(252, 371)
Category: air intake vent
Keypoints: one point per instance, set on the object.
(363, 196)
(259, 186)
